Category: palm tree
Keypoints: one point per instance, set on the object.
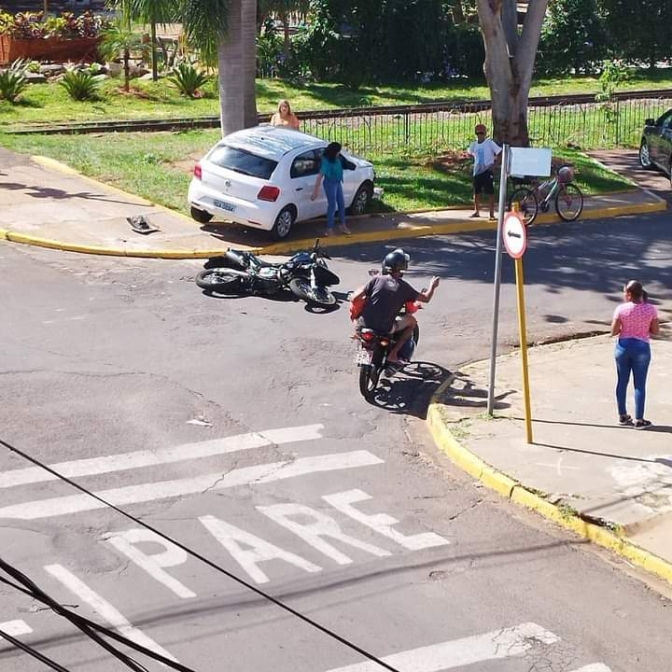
(249, 30)
(121, 41)
(283, 8)
(224, 31)
(220, 30)
(154, 12)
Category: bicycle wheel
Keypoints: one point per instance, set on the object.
(527, 204)
(569, 202)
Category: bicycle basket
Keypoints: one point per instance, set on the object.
(566, 175)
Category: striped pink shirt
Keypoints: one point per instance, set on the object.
(636, 319)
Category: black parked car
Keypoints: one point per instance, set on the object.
(656, 148)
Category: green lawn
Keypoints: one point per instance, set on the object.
(49, 102)
(413, 174)
(158, 167)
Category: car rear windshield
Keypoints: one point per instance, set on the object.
(242, 161)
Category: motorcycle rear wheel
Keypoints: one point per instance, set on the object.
(220, 280)
(319, 296)
(368, 380)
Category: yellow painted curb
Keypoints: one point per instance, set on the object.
(519, 494)
(108, 251)
(276, 248)
(620, 210)
(405, 231)
(408, 231)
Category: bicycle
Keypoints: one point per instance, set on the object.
(560, 190)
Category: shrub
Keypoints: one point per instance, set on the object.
(23, 26)
(34, 26)
(13, 81)
(269, 55)
(572, 38)
(188, 80)
(464, 52)
(80, 85)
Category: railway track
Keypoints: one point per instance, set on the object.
(183, 123)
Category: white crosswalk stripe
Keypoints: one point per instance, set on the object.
(15, 628)
(146, 492)
(147, 458)
(497, 644)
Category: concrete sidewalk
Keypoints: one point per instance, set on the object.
(609, 483)
(45, 203)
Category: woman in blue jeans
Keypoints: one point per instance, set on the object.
(331, 179)
(635, 321)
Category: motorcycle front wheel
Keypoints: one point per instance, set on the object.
(221, 280)
(318, 296)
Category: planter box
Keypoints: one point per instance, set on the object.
(48, 49)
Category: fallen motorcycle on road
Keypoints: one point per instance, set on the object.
(305, 274)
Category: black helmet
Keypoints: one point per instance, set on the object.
(397, 260)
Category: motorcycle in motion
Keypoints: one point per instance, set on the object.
(305, 274)
(373, 349)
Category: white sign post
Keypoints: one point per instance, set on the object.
(518, 161)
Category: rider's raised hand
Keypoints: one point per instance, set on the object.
(435, 282)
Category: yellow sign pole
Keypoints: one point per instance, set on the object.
(522, 334)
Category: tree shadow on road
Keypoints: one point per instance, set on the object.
(598, 256)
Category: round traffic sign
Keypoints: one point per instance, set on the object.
(515, 235)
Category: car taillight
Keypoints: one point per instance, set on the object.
(268, 193)
(198, 171)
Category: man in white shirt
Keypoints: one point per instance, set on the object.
(485, 152)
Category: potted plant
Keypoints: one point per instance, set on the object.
(59, 38)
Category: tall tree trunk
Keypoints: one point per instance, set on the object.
(509, 63)
(249, 31)
(236, 56)
(231, 64)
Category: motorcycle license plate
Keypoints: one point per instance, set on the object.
(363, 357)
(223, 205)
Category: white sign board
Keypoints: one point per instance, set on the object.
(530, 161)
(515, 235)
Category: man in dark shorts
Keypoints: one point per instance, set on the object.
(485, 152)
(384, 296)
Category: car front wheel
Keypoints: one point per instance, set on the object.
(645, 156)
(361, 199)
(283, 223)
(201, 216)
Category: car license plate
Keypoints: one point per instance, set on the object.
(363, 356)
(223, 205)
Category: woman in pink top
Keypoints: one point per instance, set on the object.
(635, 321)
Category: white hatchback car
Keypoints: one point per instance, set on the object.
(263, 177)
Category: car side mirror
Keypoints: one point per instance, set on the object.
(650, 122)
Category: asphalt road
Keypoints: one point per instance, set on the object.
(124, 375)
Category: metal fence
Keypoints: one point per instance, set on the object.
(552, 122)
